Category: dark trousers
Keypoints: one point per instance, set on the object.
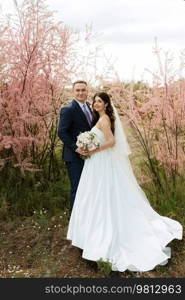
(74, 171)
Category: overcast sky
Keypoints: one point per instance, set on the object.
(126, 28)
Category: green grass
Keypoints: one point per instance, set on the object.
(170, 203)
(22, 195)
(104, 267)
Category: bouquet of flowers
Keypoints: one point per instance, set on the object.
(88, 141)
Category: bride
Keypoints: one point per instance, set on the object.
(112, 219)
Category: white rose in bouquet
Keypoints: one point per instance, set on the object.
(88, 141)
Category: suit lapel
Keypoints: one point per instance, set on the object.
(79, 110)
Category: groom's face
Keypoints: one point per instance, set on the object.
(80, 92)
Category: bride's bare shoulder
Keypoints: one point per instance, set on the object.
(105, 120)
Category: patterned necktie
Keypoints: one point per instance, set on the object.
(87, 114)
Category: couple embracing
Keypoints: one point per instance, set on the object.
(111, 218)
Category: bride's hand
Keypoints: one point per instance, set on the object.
(91, 152)
(81, 151)
(86, 153)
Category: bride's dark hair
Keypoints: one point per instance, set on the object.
(109, 109)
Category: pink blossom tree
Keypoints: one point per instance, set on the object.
(38, 60)
(155, 116)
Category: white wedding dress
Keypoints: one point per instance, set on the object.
(112, 219)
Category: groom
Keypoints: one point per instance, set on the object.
(75, 118)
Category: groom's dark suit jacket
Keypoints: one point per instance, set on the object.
(72, 123)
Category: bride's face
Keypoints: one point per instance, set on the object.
(99, 105)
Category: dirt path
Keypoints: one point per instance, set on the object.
(37, 247)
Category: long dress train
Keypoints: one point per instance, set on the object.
(112, 219)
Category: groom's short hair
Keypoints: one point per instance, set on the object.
(79, 81)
